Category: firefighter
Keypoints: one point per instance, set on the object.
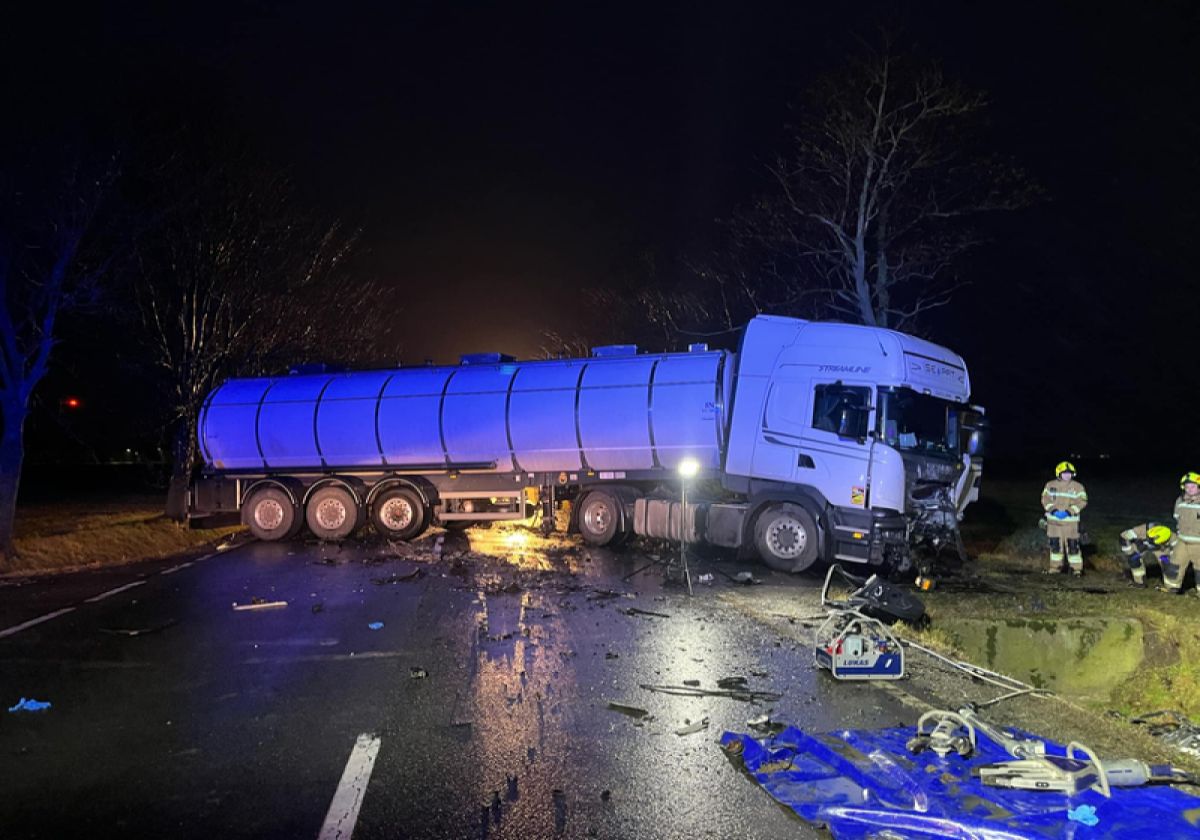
(1185, 548)
(1063, 499)
(1142, 543)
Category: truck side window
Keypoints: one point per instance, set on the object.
(841, 409)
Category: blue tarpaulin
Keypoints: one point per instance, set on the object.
(863, 784)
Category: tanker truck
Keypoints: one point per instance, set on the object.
(814, 442)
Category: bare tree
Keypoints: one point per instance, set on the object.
(239, 280)
(877, 198)
(45, 271)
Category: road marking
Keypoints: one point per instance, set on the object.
(112, 592)
(178, 568)
(33, 622)
(347, 799)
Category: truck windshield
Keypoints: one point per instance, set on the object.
(913, 421)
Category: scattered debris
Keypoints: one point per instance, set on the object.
(30, 705)
(692, 683)
(731, 682)
(318, 607)
(743, 694)
(746, 578)
(706, 578)
(636, 611)
(415, 574)
(376, 625)
(259, 604)
(417, 673)
(691, 728)
(138, 631)
(605, 795)
(630, 711)
(609, 654)
(1172, 728)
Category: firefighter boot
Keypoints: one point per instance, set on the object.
(1075, 557)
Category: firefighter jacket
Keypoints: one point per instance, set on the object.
(1068, 496)
(1187, 519)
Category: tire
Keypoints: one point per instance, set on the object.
(399, 514)
(271, 515)
(786, 537)
(600, 518)
(331, 513)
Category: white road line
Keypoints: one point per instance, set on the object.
(112, 592)
(178, 568)
(347, 799)
(33, 622)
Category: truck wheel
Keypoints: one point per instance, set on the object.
(398, 514)
(786, 538)
(270, 515)
(599, 518)
(331, 513)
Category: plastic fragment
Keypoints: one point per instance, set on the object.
(376, 625)
(259, 604)
(692, 727)
(30, 705)
(1085, 814)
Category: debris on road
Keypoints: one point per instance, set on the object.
(415, 574)
(318, 607)
(375, 625)
(731, 682)
(1172, 728)
(692, 727)
(706, 578)
(692, 683)
(746, 578)
(138, 631)
(417, 673)
(743, 694)
(636, 611)
(627, 710)
(30, 705)
(259, 604)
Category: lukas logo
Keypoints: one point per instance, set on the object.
(844, 368)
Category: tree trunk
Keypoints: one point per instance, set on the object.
(862, 289)
(12, 455)
(183, 451)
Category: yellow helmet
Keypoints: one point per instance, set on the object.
(1064, 466)
(1158, 534)
(1189, 478)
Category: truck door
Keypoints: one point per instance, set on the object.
(777, 452)
(837, 440)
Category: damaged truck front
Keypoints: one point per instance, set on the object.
(813, 442)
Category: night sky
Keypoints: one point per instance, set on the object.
(502, 157)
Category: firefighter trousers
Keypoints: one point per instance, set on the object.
(1064, 542)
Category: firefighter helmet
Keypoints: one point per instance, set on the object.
(1064, 466)
(1158, 534)
(1189, 478)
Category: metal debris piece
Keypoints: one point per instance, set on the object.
(692, 683)
(636, 611)
(692, 727)
(138, 631)
(259, 604)
(731, 682)
(743, 694)
(625, 709)
(417, 673)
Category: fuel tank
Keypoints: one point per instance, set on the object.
(604, 413)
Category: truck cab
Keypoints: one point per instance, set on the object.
(867, 432)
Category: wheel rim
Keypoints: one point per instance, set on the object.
(268, 514)
(396, 514)
(331, 514)
(786, 537)
(597, 516)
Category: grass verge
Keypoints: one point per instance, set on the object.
(56, 537)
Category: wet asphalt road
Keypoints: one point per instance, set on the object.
(226, 723)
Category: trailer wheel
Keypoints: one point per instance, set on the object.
(331, 513)
(270, 514)
(399, 514)
(600, 518)
(786, 537)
